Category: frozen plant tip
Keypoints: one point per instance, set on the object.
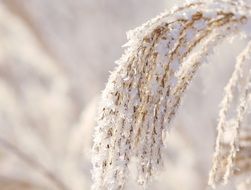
(144, 91)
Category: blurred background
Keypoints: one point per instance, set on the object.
(55, 58)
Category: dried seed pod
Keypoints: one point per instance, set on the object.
(144, 91)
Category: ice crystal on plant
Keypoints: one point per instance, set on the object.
(225, 152)
(144, 92)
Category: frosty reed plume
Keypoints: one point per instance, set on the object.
(144, 92)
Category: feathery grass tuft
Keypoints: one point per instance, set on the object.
(144, 92)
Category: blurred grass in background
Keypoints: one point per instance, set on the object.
(55, 57)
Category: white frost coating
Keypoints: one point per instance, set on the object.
(247, 28)
(190, 34)
(241, 113)
(210, 14)
(144, 92)
(174, 65)
(162, 48)
(190, 1)
(219, 170)
(200, 24)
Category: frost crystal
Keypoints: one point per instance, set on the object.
(226, 150)
(145, 90)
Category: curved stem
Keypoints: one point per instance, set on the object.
(34, 164)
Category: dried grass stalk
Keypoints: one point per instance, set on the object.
(144, 91)
(242, 161)
(226, 150)
(245, 185)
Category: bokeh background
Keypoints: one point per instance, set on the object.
(55, 58)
